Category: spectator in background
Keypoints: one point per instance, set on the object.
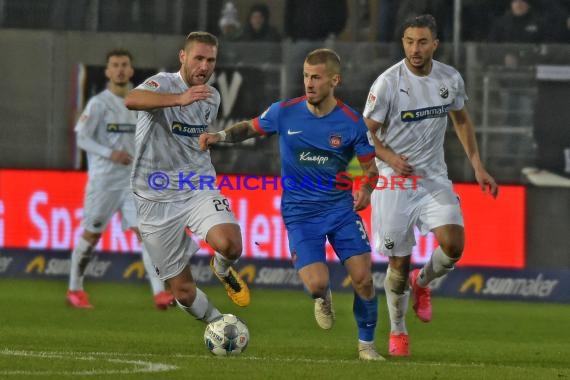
(258, 27)
(475, 15)
(385, 24)
(314, 19)
(556, 20)
(230, 27)
(520, 23)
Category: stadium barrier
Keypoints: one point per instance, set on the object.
(471, 282)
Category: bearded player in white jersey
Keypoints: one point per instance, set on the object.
(406, 111)
(175, 109)
(105, 131)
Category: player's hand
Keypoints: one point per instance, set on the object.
(121, 157)
(195, 93)
(400, 164)
(207, 139)
(487, 182)
(361, 199)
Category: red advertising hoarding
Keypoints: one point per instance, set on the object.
(43, 210)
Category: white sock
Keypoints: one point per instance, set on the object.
(397, 296)
(80, 257)
(155, 283)
(201, 308)
(222, 264)
(437, 266)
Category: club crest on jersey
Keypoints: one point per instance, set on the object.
(335, 141)
(443, 92)
(388, 243)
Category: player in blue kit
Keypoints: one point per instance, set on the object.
(318, 136)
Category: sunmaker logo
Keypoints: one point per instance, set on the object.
(121, 128)
(187, 129)
(424, 113)
(538, 286)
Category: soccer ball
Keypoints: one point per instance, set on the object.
(226, 335)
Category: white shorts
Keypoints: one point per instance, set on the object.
(163, 227)
(100, 205)
(396, 212)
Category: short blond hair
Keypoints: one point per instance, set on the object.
(203, 37)
(328, 57)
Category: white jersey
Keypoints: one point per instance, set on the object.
(110, 124)
(167, 142)
(413, 110)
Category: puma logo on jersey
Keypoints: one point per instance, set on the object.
(405, 91)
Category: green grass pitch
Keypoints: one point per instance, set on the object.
(124, 337)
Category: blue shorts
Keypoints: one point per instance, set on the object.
(344, 230)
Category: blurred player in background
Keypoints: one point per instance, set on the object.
(406, 111)
(318, 136)
(105, 131)
(175, 109)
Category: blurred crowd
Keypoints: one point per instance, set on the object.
(518, 21)
(524, 21)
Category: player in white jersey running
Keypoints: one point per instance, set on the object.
(105, 131)
(176, 109)
(407, 110)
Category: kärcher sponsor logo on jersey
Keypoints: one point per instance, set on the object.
(121, 128)
(187, 130)
(424, 113)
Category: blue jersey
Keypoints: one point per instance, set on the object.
(313, 151)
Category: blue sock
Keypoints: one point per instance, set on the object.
(366, 315)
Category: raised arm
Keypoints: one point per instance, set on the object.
(236, 133)
(142, 100)
(466, 133)
(398, 162)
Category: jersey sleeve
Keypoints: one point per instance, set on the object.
(156, 83)
(85, 128)
(363, 146)
(268, 122)
(90, 118)
(378, 101)
(461, 97)
(213, 105)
